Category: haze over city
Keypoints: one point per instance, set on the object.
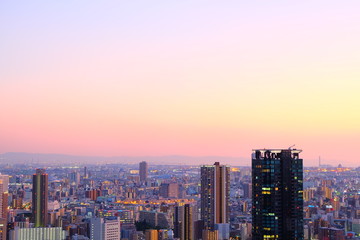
(192, 78)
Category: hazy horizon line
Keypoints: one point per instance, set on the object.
(173, 159)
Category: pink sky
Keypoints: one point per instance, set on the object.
(180, 77)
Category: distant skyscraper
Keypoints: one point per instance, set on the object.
(183, 222)
(40, 198)
(215, 192)
(143, 171)
(85, 172)
(75, 178)
(277, 181)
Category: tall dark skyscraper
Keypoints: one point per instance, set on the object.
(183, 222)
(143, 171)
(277, 181)
(215, 192)
(40, 198)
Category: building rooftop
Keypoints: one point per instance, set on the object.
(275, 150)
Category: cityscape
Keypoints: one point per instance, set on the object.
(275, 198)
(179, 120)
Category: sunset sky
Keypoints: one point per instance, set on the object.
(186, 77)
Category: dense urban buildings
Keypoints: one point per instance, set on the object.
(109, 201)
(277, 180)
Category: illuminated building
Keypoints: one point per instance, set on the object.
(277, 180)
(151, 234)
(309, 194)
(209, 234)
(215, 192)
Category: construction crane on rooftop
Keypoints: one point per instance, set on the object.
(291, 146)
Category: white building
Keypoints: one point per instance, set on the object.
(105, 228)
(51, 233)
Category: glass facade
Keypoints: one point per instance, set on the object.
(277, 181)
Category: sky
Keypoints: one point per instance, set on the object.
(196, 78)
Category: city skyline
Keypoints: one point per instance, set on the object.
(274, 199)
(180, 78)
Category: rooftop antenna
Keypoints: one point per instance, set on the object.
(291, 146)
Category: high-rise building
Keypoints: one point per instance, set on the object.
(3, 200)
(215, 193)
(183, 222)
(40, 198)
(143, 171)
(4, 194)
(3, 209)
(277, 181)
